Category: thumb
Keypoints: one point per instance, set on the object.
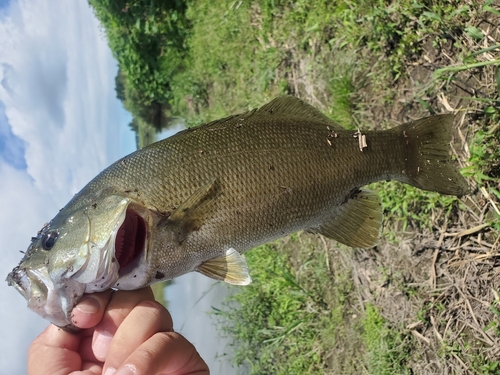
(90, 310)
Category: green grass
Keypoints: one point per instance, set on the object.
(293, 321)
(404, 204)
(484, 161)
(297, 317)
(388, 349)
(276, 320)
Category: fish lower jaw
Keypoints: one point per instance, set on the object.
(58, 304)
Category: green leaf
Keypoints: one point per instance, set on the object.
(480, 177)
(426, 106)
(474, 32)
(432, 16)
(313, 27)
(468, 171)
(459, 11)
(497, 78)
(496, 192)
(490, 110)
(490, 9)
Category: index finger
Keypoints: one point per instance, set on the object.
(165, 353)
(144, 321)
(122, 303)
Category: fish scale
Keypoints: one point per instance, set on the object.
(200, 198)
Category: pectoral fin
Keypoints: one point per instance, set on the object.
(189, 216)
(230, 268)
(357, 222)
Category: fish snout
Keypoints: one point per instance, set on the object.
(34, 286)
(43, 297)
(19, 280)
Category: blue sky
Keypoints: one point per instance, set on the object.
(60, 125)
(4, 3)
(11, 147)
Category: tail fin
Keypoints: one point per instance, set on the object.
(428, 162)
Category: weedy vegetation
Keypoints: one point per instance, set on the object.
(426, 299)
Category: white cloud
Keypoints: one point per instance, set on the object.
(11, 147)
(61, 88)
(57, 84)
(19, 326)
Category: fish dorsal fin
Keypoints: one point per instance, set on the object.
(290, 106)
(189, 215)
(283, 107)
(357, 222)
(230, 268)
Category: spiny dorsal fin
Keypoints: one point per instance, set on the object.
(290, 106)
(357, 222)
(230, 268)
(284, 106)
(189, 215)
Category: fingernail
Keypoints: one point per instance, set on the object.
(101, 344)
(126, 370)
(88, 305)
(110, 371)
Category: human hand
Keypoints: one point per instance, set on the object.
(125, 333)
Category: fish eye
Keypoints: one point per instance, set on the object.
(49, 239)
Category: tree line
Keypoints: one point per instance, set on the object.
(148, 39)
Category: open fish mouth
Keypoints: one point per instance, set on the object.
(43, 297)
(130, 238)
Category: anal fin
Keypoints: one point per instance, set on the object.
(230, 268)
(357, 222)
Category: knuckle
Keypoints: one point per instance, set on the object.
(156, 312)
(150, 305)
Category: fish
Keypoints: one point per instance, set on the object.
(198, 200)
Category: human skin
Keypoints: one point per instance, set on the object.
(123, 333)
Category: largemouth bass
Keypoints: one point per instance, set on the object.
(197, 200)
